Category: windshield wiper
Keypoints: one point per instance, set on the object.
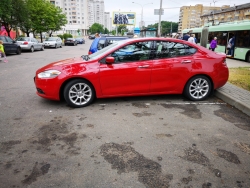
(85, 57)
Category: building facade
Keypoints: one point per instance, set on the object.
(190, 16)
(107, 21)
(81, 15)
(229, 14)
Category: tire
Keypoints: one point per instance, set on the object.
(32, 49)
(55, 46)
(61, 46)
(19, 51)
(79, 93)
(248, 58)
(42, 48)
(198, 88)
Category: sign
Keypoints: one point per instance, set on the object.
(157, 11)
(123, 18)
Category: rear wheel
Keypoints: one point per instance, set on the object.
(79, 93)
(32, 49)
(42, 48)
(198, 88)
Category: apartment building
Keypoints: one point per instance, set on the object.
(81, 14)
(230, 14)
(190, 16)
(107, 21)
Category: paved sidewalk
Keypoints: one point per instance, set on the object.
(235, 96)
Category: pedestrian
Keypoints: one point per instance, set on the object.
(2, 53)
(192, 39)
(97, 35)
(231, 45)
(213, 44)
(186, 37)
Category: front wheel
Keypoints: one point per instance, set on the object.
(79, 93)
(248, 57)
(18, 51)
(55, 46)
(198, 88)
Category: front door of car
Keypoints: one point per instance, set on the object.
(9, 44)
(130, 74)
(171, 64)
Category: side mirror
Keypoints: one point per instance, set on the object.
(110, 60)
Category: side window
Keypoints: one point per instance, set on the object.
(101, 44)
(165, 49)
(138, 51)
(33, 40)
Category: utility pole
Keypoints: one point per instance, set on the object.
(159, 24)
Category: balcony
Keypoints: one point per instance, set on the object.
(247, 13)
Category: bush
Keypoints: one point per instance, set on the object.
(61, 36)
(66, 35)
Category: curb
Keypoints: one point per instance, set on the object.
(239, 104)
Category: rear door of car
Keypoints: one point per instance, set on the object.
(131, 72)
(35, 43)
(171, 66)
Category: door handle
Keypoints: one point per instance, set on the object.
(143, 66)
(186, 61)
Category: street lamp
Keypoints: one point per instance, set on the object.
(142, 5)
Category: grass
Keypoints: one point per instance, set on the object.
(240, 77)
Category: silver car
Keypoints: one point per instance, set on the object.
(30, 44)
(54, 42)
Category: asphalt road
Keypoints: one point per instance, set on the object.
(154, 141)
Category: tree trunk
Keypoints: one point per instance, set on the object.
(41, 36)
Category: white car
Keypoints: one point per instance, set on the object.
(54, 42)
(29, 43)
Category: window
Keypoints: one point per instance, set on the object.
(171, 49)
(8, 39)
(243, 39)
(138, 51)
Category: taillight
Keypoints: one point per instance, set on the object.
(25, 42)
(90, 53)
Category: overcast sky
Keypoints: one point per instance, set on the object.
(170, 14)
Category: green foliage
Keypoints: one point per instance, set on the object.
(96, 28)
(113, 32)
(67, 35)
(35, 16)
(106, 31)
(166, 27)
(61, 36)
(122, 28)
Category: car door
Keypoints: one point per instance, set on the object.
(131, 72)
(171, 65)
(35, 44)
(9, 45)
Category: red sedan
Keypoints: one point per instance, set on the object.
(135, 67)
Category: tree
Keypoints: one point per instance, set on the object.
(96, 28)
(12, 12)
(106, 31)
(121, 28)
(166, 27)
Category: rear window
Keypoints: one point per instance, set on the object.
(22, 39)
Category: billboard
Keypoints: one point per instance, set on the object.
(127, 18)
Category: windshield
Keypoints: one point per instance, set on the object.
(108, 48)
(50, 39)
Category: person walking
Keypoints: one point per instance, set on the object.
(186, 37)
(2, 53)
(192, 39)
(213, 44)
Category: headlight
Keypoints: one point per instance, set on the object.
(49, 74)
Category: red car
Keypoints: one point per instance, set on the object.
(134, 67)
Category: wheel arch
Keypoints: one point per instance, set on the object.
(67, 81)
(247, 58)
(212, 83)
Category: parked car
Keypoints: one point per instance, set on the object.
(10, 46)
(70, 41)
(54, 42)
(101, 42)
(92, 36)
(80, 40)
(135, 67)
(29, 44)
